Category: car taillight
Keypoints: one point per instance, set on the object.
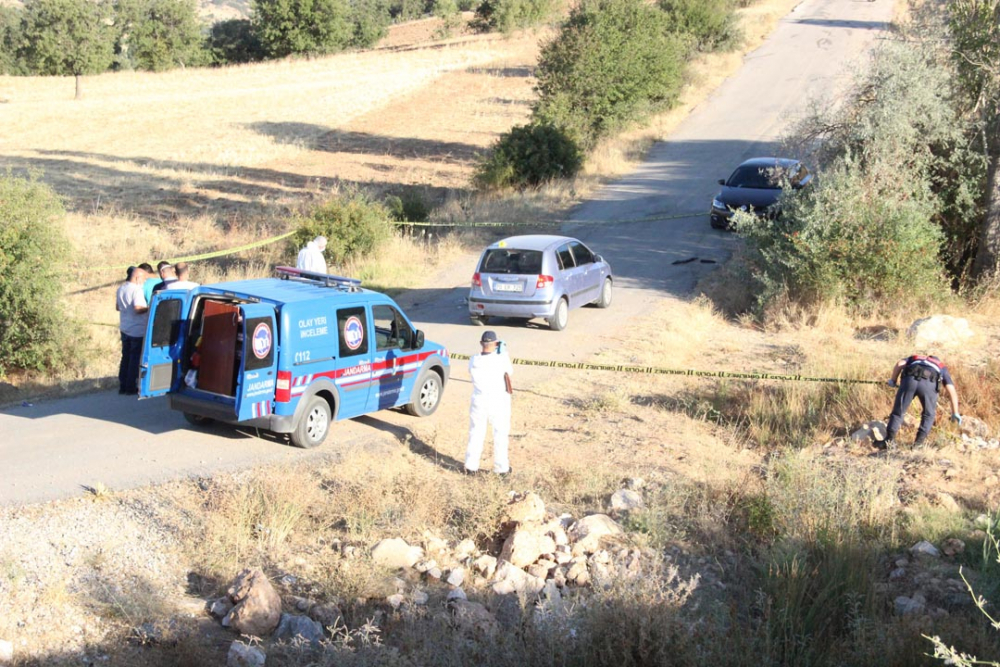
(476, 280)
(543, 281)
(283, 387)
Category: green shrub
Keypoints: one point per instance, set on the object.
(10, 38)
(613, 62)
(506, 16)
(407, 10)
(710, 24)
(353, 225)
(371, 22)
(158, 35)
(32, 252)
(287, 27)
(529, 155)
(233, 42)
(411, 206)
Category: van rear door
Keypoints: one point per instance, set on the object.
(258, 366)
(166, 333)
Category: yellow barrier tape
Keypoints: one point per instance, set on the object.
(208, 255)
(622, 368)
(552, 223)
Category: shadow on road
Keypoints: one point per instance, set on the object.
(415, 444)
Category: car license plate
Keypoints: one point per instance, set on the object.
(508, 287)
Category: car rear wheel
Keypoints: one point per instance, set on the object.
(605, 300)
(428, 395)
(197, 420)
(560, 318)
(315, 424)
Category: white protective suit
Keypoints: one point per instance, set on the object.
(311, 259)
(490, 403)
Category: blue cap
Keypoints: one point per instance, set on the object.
(489, 337)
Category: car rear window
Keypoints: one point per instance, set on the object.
(511, 260)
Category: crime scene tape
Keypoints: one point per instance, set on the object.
(652, 370)
(552, 223)
(209, 255)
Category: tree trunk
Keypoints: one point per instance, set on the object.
(989, 235)
(79, 87)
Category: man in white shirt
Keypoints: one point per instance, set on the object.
(182, 281)
(130, 302)
(311, 257)
(491, 371)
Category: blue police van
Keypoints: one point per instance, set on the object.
(289, 354)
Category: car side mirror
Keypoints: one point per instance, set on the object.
(721, 181)
(598, 259)
(418, 339)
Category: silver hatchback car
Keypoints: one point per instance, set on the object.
(538, 276)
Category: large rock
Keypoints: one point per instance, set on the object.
(294, 627)
(526, 508)
(526, 544)
(472, 616)
(587, 533)
(925, 548)
(975, 427)
(326, 614)
(258, 607)
(953, 547)
(395, 553)
(906, 606)
(940, 330)
(626, 500)
(242, 655)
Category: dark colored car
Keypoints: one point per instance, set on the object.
(756, 186)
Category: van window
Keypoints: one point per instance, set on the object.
(391, 330)
(352, 329)
(565, 257)
(582, 254)
(166, 323)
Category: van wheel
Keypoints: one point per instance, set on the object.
(605, 300)
(560, 319)
(314, 425)
(197, 420)
(428, 395)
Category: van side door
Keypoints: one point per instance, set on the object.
(353, 376)
(258, 352)
(166, 333)
(394, 364)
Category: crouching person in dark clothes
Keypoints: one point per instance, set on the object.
(922, 378)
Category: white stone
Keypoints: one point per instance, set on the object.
(940, 330)
(526, 544)
(626, 500)
(510, 579)
(948, 502)
(925, 548)
(588, 532)
(456, 577)
(396, 600)
(395, 553)
(424, 565)
(635, 483)
(486, 564)
(526, 508)
(465, 548)
(434, 573)
(6, 652)
(242, 655)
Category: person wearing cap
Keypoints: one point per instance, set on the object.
(132, 314)
(490, 371)
(922, 378)
(311, 257)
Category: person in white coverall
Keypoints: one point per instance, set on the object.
(491, 371)
(311, 257)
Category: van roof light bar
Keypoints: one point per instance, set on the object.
(288, 272)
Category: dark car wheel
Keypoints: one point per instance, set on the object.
(560, 318)
(315, 424)
(427, 396)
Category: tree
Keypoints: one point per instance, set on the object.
(287, 27)
(234, 42)
(612, 62)
(10, 38)
(370, 19)
(67, 37)
(31, 245)
(158, 34)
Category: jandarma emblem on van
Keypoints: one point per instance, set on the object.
(261, 340)
(354, 333)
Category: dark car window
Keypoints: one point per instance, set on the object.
(565, 257)
(511, 260)
(764, 178)
(582, 254)
(391, 330)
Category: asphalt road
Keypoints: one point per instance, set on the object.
(55, 449)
